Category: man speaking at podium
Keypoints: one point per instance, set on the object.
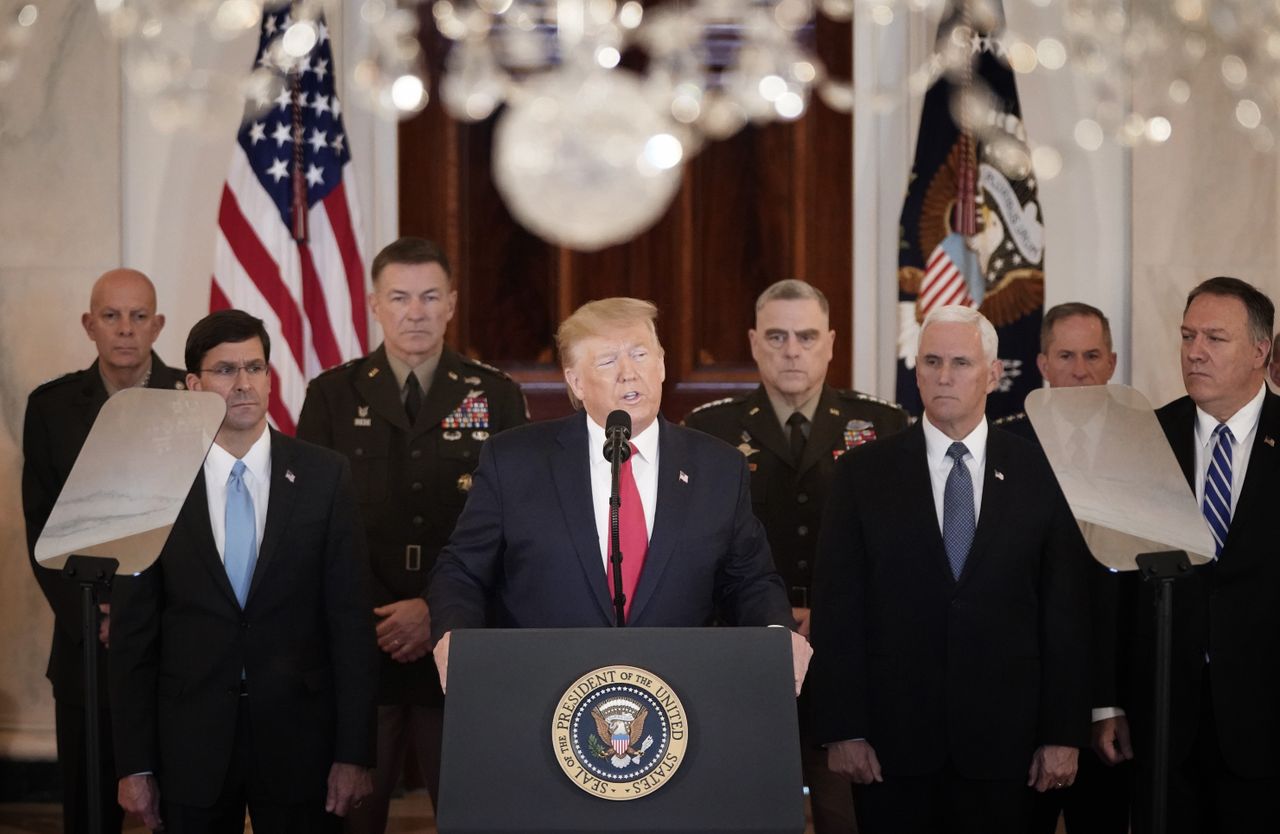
(531, 549)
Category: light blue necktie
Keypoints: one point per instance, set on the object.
(1217, 488)
(241, 548)
(957, 510)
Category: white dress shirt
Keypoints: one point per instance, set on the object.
(1243, 425)
(257, 478)
(935, 447)
(644, 466)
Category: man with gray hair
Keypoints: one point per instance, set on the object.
(950, 613)
(532, 547)
(792, 429)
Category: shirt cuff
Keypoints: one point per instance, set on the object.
(1103, 713)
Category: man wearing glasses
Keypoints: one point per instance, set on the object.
(244, 662)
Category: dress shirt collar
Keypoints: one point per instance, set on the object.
(218, 463)
(936, 443)
(646, 442)
(784, 411)
(424, 372)
(1242, 423)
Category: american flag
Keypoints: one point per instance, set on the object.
(971, 230)
(288, 248)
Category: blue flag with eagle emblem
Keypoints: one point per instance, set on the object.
(971, 230)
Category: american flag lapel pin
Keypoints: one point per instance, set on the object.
(684, 479)
(999, 475)
(289, 476)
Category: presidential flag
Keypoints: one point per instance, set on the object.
(288, 248)
(971, 229)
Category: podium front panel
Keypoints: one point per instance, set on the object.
(740, 768)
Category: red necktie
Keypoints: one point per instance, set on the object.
(633, 534)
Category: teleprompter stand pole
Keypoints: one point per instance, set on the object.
(91, 573)
(1162, 568)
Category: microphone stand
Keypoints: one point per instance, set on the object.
(615, 501)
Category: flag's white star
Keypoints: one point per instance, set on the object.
(283, 133)
(304, 66)
(321, 68)
(279, 169)
(302, 99)
(337, 143)
(318, 140)
(271, 24)
(315, 176)
(337, 107)
(320, 104)
(324, 33)
(257, 132)
(284, 99)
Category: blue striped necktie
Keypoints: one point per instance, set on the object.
(958, 522)
(1217, 487)
(240, 550)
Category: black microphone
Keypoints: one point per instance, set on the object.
(617, 431)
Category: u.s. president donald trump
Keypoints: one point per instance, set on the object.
(532, 545)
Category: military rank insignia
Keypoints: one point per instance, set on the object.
(473, 413)
(619, 732)
(856, 432)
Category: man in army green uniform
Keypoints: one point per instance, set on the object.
(792, 429)
(411, 417)
(123, 324)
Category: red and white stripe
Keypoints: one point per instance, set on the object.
(943, 283)
(309, 294)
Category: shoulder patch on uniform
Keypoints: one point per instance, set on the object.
(715, 404)
(868, 398)
(1010, 418)
(467, 360)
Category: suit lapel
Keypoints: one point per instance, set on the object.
(994, 497)
(448, 389)
(762, 424)
(922, 515)
(376, 384)
(828, 425)
(669, 515)
(279, 507)
(571, 472)
(196, 513)
(1260, 475)
(1182, 438)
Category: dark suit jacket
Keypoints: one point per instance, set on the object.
(1229, 609)
(788, 499)
(412, 481)
(304, 642)
(526, 552)
(60, 414)
(980, 671)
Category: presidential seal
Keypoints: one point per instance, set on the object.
(619, 732)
